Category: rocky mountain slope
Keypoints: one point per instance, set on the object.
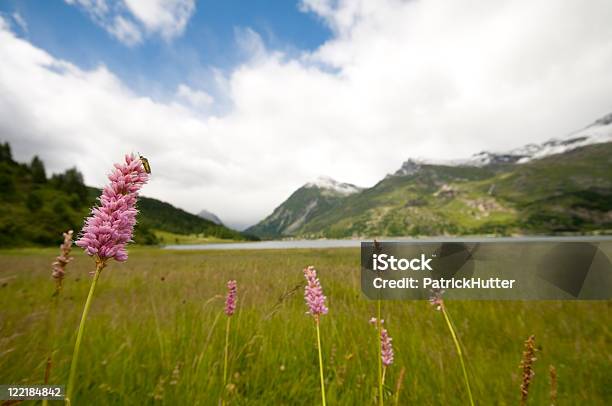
(306, 203)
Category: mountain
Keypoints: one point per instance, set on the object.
(306, 203)
(598, 132)
(36, 209)
(563, 185)
(205, 214)
(162, 216)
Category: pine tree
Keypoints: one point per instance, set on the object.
(38, 170)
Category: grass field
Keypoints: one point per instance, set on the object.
(156, 331)
(166, 237)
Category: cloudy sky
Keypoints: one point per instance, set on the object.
(236, 104)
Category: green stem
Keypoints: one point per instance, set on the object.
(227, 331)
(77, 345)
(380, 369)
(52, 331)
(458, 347)
(320, 363)
(383, 374)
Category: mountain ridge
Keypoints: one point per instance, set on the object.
(561, 185)
(208, 215)
(306, 202)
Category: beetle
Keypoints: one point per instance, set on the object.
(145, 164)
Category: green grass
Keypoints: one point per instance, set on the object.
(156, 334)
(166, 237)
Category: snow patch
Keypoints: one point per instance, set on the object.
(597, 133)
(327, 183)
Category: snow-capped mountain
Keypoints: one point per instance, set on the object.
(409, 167)
(571, 193)
(598, 132)
(327, 183)
(305, 203)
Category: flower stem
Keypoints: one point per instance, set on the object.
(458, 347)
(320, 363)
(227, 331)
(77, 345)
(53, 332)
(383, 374)
(380, 368)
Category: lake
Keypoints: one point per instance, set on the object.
(324, 243)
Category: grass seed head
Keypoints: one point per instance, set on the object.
(553, 385)
(527, 366)
(59, 266)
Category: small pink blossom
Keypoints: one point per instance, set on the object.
(111, 224)
(230, 300)
(436, 298)
(313, 293)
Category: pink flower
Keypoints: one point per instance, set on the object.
(230, 300)
(313, 293)
(386, 348)
(59, 266)
(111, 224)
(436, 298)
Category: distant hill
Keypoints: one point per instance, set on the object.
(205, 214)
(561, 186)
(306, 203)
(35, 209)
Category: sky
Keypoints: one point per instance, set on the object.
(236, 104)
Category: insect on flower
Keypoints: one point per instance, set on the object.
(145, 164)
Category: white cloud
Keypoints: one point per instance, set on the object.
(397, 79)
(96, 8)
(194, 98)
(20, 21)
(125, 31)
(168, 17)
(130, 20)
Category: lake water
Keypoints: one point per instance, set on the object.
(292, 244)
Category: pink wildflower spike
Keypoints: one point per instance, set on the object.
(386, 348)
(230, 300)
(313, 293)
(111, 224)
(59, 266)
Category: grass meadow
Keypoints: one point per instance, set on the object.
(156, 335)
